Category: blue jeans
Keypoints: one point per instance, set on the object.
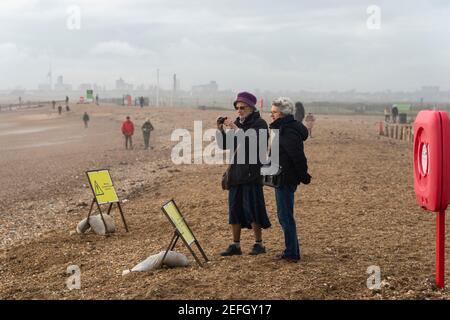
(284, 196)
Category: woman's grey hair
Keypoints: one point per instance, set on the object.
(285, 105)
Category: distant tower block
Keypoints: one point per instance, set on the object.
(157, 87)
(174, 90)
(49, 75)
(174, 83)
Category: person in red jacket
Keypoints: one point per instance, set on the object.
(128, 131)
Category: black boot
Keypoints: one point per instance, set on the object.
(231, 251)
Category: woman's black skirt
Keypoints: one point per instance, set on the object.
(246, 205)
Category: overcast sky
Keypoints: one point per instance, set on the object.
(309, 45)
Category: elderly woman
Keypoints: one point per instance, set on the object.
(246, 205)
(294, 169)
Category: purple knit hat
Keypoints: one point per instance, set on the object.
(247, 98)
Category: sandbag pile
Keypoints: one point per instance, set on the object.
(95, 224)
(172, 259)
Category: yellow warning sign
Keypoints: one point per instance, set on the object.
(175, 216)
(102, 186)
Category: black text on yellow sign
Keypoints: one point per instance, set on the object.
(102, 186)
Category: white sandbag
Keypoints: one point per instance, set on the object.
(98, 226)
(83, 226)
(175, 259)
(96, 223)
(172, 259)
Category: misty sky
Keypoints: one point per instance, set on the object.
(293, 45)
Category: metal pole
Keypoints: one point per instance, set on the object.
(174, 244)
(171, 245)
(90, 210)
(109, 209)
(201, 251)
(103, 219)
(440, 249)
(157, 87)
(123, 217)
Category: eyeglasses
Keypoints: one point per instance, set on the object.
(241, 108)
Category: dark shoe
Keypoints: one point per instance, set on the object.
(282, 257)
(232, 250)
(257, 249)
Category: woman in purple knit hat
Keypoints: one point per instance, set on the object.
(246, 205)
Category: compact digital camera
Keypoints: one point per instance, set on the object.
(221, 120)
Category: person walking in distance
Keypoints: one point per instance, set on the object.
(310, 119)
(147, 127)
(128, 131)
(299, 111)
(387, 114)
(85, 119)
(394, 114)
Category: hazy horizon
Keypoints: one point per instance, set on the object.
(288, 45)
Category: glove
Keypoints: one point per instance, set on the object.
(305, 179)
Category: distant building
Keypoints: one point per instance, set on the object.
(61, 86)
(18, 92)
(44, 87)
(211, 87)
(85, 86)
(90, 86)
(122, 85)
(430, 89)
(430, 93)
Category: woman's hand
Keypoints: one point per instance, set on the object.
(230, 124)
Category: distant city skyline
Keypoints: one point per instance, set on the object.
(285, 45)
(122, 84)
(211, 93)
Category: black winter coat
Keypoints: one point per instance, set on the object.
(249, 171)
(293, 162)
(147, 127)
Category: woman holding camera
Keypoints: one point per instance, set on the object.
(294, 169)
(246, 205)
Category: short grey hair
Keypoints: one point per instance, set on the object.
(285, 105)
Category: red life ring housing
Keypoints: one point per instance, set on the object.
(432, 160)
